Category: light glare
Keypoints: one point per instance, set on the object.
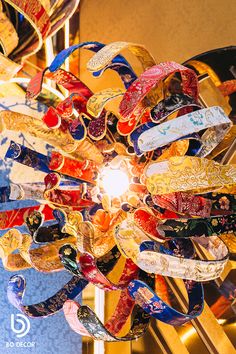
(115, 182)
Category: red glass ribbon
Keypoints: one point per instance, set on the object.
(149, 79)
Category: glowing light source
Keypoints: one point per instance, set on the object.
(115, 182)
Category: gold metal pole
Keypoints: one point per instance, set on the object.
(210, 95)
(206, 325)
(167, 338)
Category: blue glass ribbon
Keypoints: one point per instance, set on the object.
(36, 160)
(16, 289)
(176, 247)
(152, 303)
(155, 307)
(119, 63)
(28, 157)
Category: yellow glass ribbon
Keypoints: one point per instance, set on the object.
(98, 101)
(224, 144)
(128, 239)
(35, 14)
(43, 259)
(9, 242)
(188, 174)
(107, 53)
(9, 89)
(8, 69)
(56, 137)
(37, 128)
(178, 148)
(230, 241)
(203, 68)
(91, 239)
(8, 35)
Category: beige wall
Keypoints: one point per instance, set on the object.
(170, 29)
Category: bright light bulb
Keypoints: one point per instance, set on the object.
(115, 182)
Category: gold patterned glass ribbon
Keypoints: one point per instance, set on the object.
(106, 54)
(8, 69)
(187, 268)
(224, 144)
(98, 101)
(34, 12)
(90, 238)
(36, 127)
(44, 259)
(188, 174)
(178, 148)
(9, 242)
(56, 137)
(203, 68)
(129, 238)
(230, 240)
(8, 35)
